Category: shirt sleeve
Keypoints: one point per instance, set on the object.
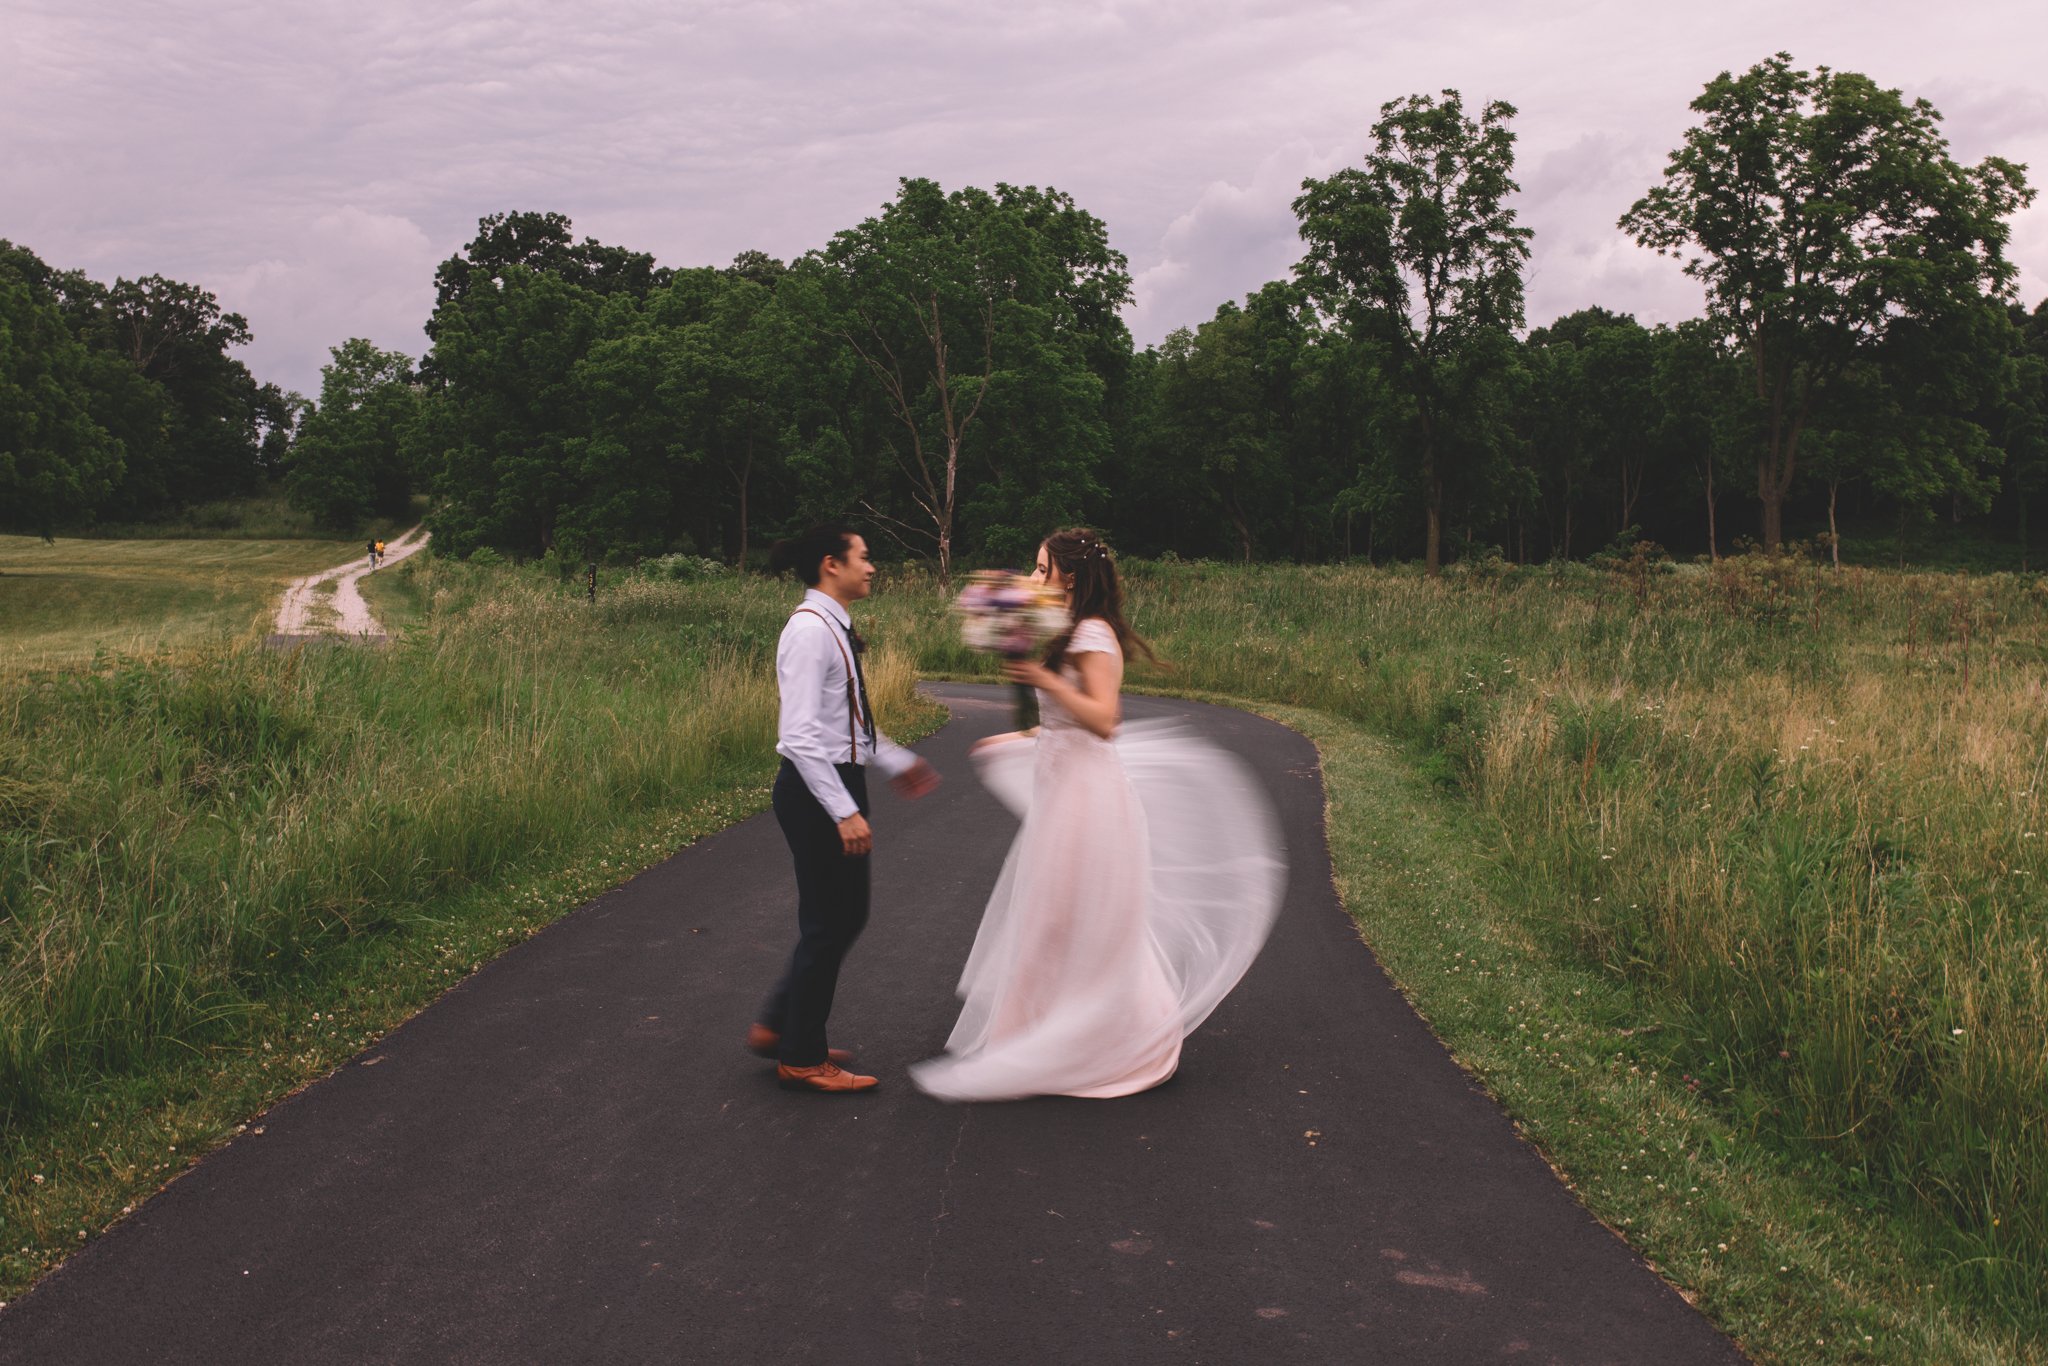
(893, 759)
(803, 737)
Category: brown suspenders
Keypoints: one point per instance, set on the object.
(852, 688)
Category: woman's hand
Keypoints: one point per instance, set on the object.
(1007, 737)
(1030, 672)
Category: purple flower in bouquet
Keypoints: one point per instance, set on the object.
(1012, 616)
(1009, 614)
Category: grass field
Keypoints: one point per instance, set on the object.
(222, 871)
(63, 602)
(1724, 880)
(1799, 814)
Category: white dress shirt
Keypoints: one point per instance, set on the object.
(817, 711)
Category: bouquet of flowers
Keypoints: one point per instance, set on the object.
(1012, 616)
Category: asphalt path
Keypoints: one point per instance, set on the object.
(568, 1158)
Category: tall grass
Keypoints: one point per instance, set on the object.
(1804, 811)
(177, 838)
(1801, 813)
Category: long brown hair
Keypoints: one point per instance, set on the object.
(1095, 588)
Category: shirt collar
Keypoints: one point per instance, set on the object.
(826, 603)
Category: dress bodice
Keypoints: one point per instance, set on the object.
(1092, 636)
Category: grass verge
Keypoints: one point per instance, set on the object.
(1795, 1262)
(397, 594)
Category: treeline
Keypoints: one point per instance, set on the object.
(955, 372)
(120, 402)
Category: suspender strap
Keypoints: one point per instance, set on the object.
(852, 689)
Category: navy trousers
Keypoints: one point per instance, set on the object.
(831, 911)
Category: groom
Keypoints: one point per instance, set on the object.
(827, 739)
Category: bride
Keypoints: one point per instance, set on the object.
(1140, 886)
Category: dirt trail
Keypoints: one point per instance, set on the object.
(295, 613)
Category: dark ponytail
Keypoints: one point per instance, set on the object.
(806, 552)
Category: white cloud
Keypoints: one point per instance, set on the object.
(350, 273)
(1232, 240)
(312, 164)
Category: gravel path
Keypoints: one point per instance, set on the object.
(352, 614)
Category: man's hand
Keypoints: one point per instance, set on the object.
(916, 781)
(854, 836)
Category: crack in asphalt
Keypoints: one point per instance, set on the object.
(931, 1246)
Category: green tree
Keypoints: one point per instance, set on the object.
(2023, 417)
(1823, 214)
(1211, 449)
(949, 299)
(758, 267)
(177, 336)
(1418, 252)
(544, 243)
(1215, 459)
(746, 375)
(1555, 430)
(1701, 410)
(131, 408)
(630, 440)
(504, 407)
(1592, 417)
(688, 404)
(56, 462)
(527, 449)
(349, 462)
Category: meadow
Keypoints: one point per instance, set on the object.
(1780, 827)
(63, 601)
(1801, 811)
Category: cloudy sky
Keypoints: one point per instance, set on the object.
(312, 163)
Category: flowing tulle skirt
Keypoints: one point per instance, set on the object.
(1139, 889)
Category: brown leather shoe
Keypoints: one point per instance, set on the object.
(826, 1077)
(763, 1041)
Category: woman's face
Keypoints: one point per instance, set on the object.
(1047, 571)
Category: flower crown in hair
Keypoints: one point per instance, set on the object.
(1093, 548)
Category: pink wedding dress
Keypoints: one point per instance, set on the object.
(1140, 887)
